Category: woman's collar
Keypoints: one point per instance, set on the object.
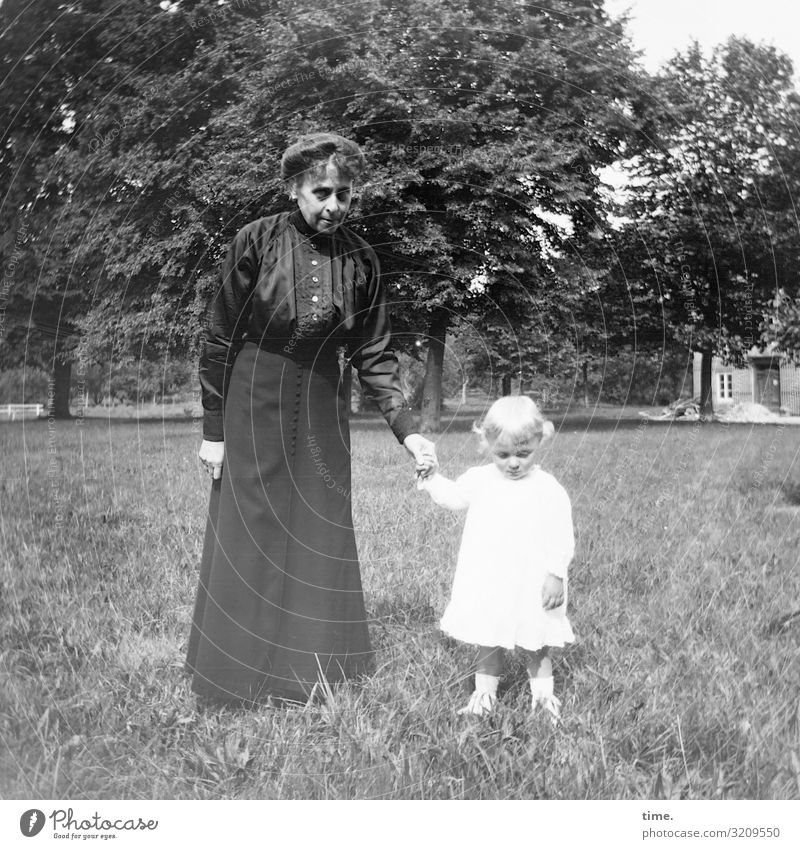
(302, 226)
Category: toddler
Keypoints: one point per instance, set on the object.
(510, 584)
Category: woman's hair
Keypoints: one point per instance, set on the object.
(312, 152)
(516, 417)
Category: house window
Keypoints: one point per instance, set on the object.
(725, 386)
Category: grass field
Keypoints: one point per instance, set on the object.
(684, 681)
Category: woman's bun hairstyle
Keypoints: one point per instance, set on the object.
(314, 151)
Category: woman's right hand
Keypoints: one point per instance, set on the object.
(212, 455)
(424, 452)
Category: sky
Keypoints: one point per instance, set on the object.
(660, 27)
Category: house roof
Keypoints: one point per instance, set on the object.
(770, 350)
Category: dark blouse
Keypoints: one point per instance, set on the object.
(317, 314)
(283, 285)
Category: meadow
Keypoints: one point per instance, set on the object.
(684, 596)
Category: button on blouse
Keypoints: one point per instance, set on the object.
(317, 315)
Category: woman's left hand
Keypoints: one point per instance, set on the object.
(424, 452)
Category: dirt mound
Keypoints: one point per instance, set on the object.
(748, 412)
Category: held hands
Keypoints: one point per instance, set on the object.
(424, 452)
(552, 592)
(212, 455)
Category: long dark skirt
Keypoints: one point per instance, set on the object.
(280, 606)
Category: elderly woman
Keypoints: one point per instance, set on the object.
(280, 608)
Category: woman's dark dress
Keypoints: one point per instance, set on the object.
(279, 606)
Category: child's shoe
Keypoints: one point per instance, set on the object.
(551, 705)
(542, 697)
(479, 704)
(484, 698)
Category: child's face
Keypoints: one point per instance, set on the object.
(514, 457)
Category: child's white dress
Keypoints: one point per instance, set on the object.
(516, 532)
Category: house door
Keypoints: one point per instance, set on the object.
(768, 387)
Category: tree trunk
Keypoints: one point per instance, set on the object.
(585, 383)
(62, 373)
(434, 367)
(505, 385)
(464, 386)
(706, 395)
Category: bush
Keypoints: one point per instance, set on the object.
(23, 386)
(131, 383)
(633, 377)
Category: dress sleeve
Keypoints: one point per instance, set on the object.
(446, 493)
(376, 361)
(226, 324)
(559, 538)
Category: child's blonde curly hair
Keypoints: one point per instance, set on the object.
(516, 417)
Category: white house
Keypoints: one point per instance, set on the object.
(769, 378)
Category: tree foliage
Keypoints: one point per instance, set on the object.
(82, 81)
(712, 232)
(140, 138)
(480, 123)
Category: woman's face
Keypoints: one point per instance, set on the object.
(324, 197)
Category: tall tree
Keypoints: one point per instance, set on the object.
(77, 78)
(712, 231)
(480, 122)
(32, 116)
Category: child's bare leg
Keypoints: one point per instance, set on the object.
(490, 660)
(487, 677)
(540, 676)
(538, 663)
